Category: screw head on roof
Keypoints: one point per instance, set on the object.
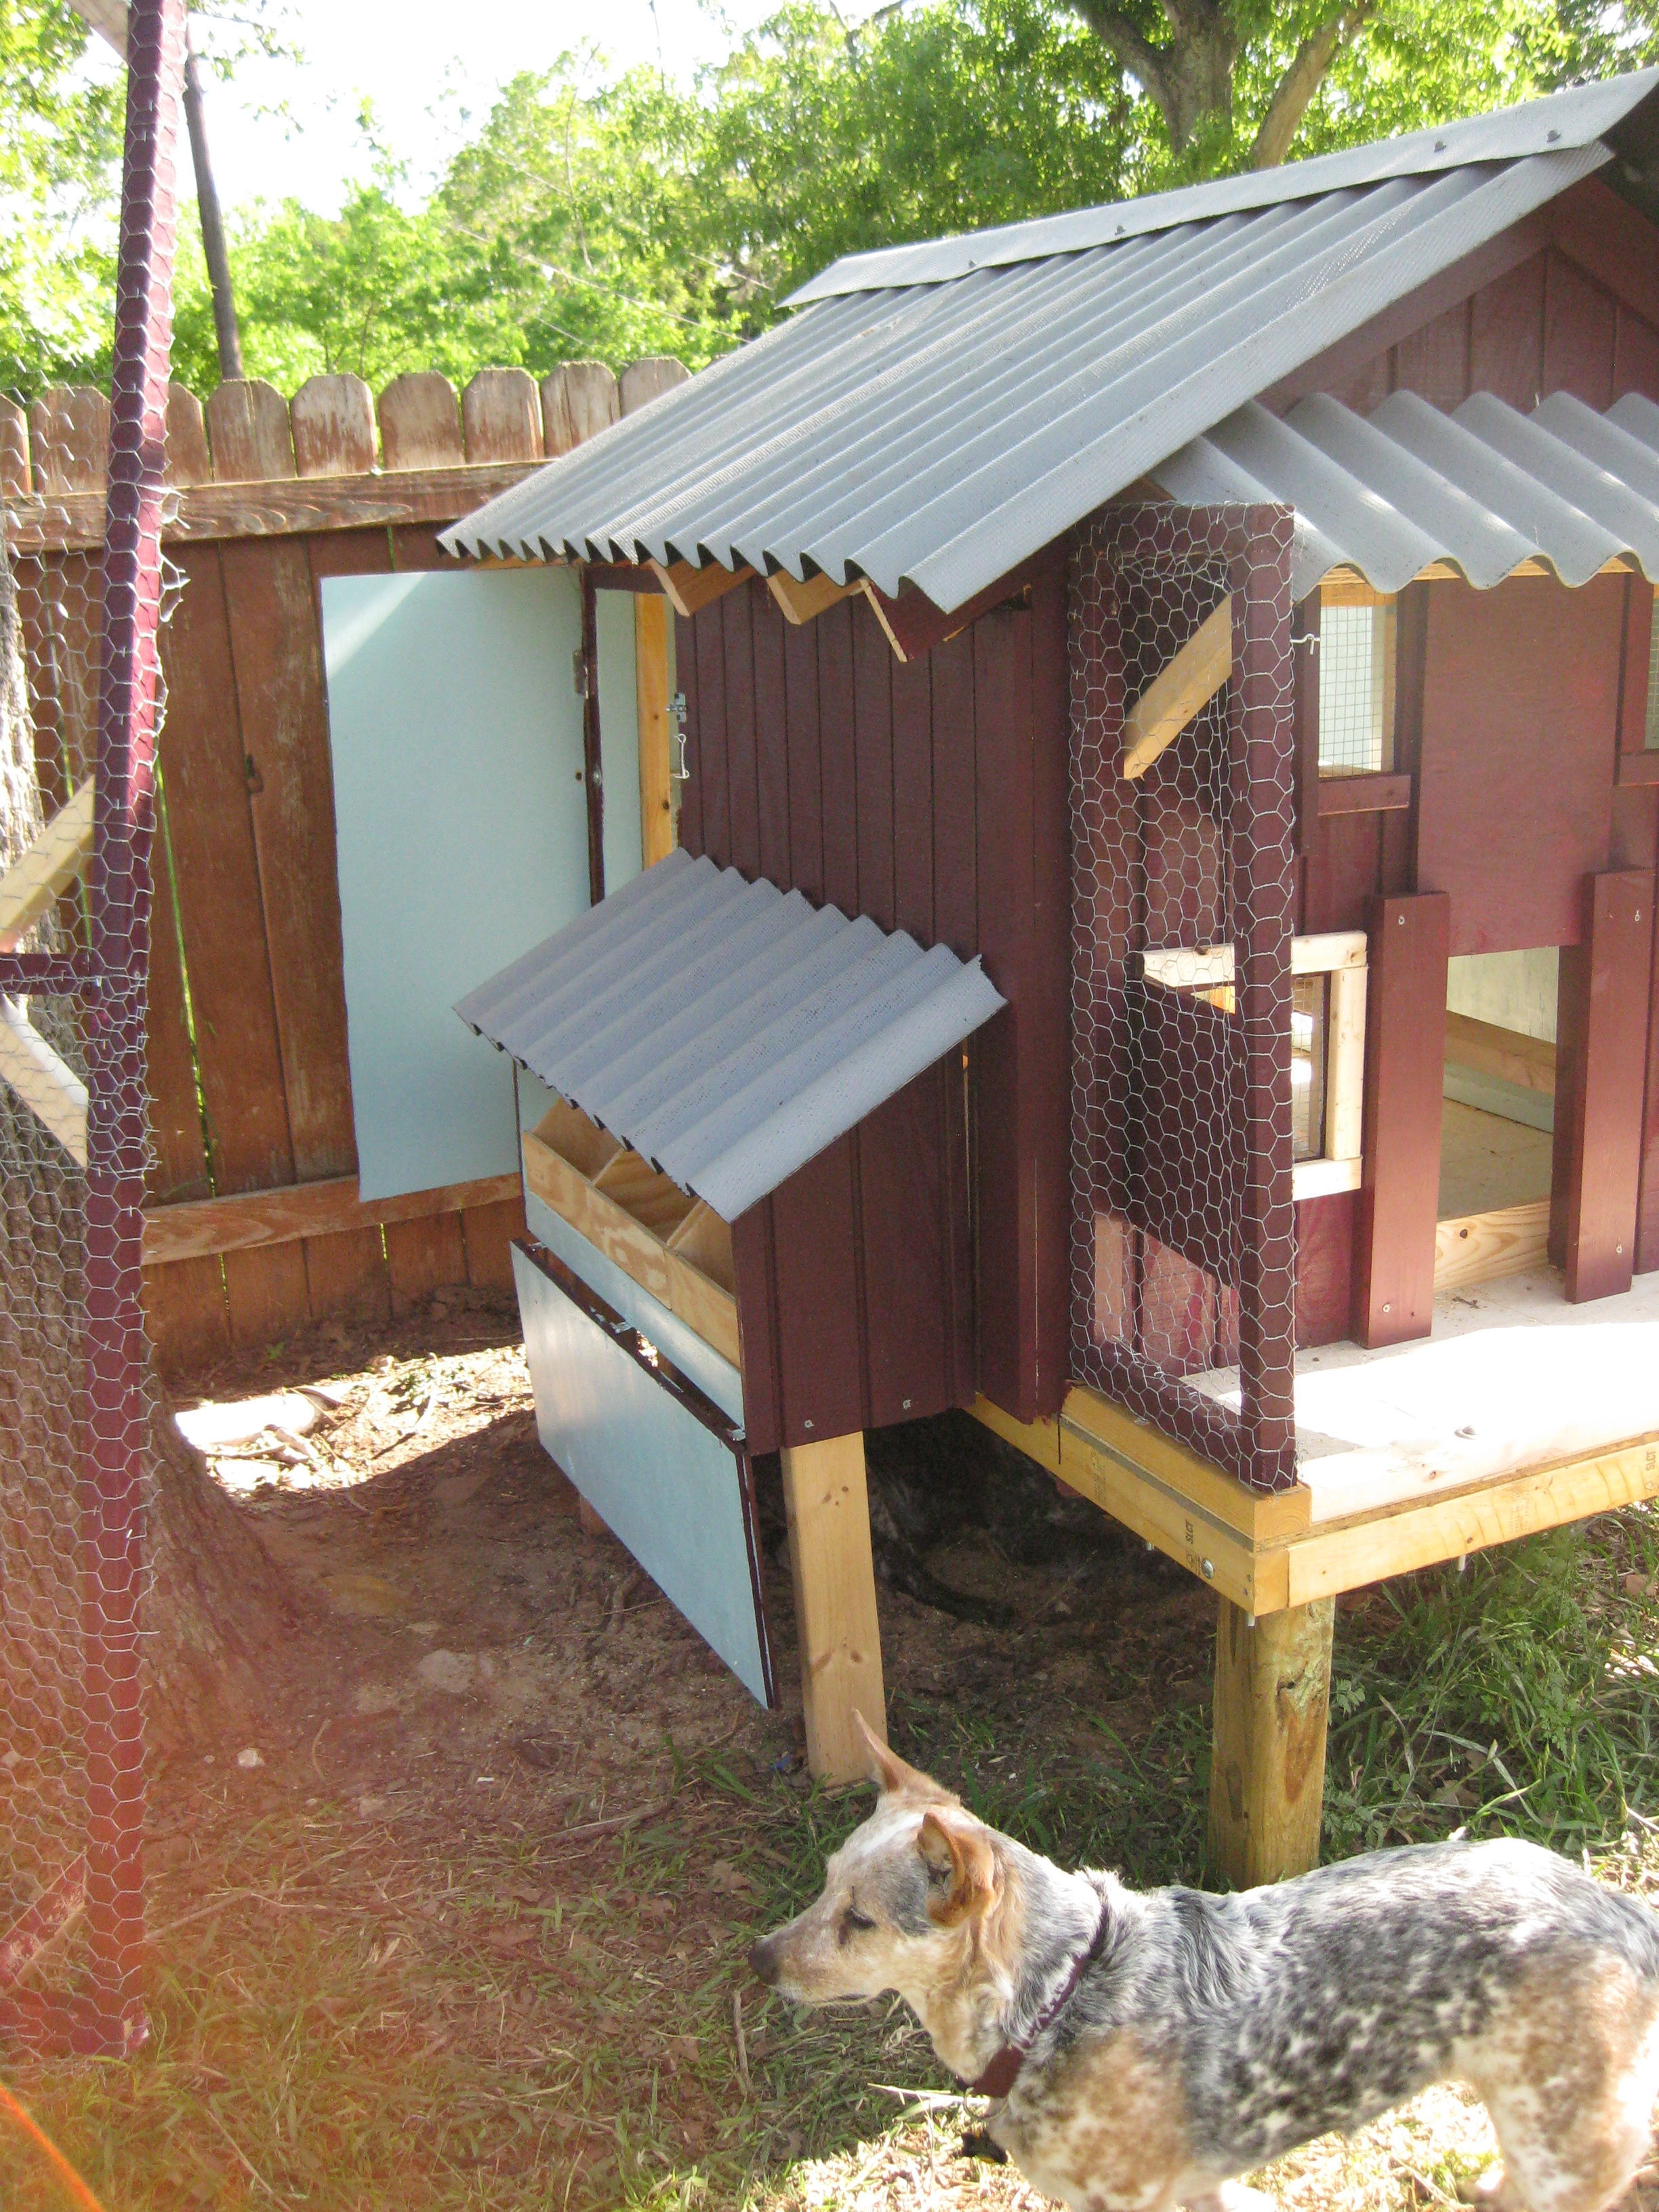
(1551, 136)
(1439, 145)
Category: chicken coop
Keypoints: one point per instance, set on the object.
(1158, 950)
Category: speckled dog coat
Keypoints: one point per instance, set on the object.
(1205, 2035)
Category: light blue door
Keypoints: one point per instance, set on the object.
(456, 731)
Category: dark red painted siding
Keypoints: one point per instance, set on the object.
(1567, 301)
(1521, 693)
(930, 796)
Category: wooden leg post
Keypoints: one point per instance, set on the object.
(1273, 1688)
(834, 1579)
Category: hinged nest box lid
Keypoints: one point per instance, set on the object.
(726, 1031)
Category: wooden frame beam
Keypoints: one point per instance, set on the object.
(1179, 691)
(1600, 1071)
(914, 625)
(1510, 1055)
(1405, 1100)
(802, 602)
(1265, 1552)
(201, 1229)
(687, 589)
(282, 506)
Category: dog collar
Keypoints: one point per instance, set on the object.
(1000, 2075)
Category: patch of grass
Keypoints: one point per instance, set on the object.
(1516, 1697)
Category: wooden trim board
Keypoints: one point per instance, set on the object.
(202, 1229)
(1203, 967)
(280, 508)
(1265, 1552)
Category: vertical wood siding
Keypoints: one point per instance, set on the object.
(930, 796)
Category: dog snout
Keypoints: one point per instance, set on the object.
(763, 1958)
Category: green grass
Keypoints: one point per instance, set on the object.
(1515, 1697)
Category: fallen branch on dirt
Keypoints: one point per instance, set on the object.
(610, 1825)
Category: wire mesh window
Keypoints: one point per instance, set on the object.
(1653, 686)
(1356, 686)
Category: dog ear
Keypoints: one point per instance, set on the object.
(890, 1774)
(961, 1869)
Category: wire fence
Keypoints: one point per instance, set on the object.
(77, 714)
(1183, 1122)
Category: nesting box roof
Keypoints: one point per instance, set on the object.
(935, 413)
(725, 1030)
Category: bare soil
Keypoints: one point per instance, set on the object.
(465, 1924)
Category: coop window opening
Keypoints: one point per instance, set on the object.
(1327, 1043)
(1357, 649)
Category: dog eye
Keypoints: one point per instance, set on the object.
(855, 1923)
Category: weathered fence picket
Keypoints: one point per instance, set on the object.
(250, 1086)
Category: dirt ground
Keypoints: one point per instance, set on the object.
(465, 1924)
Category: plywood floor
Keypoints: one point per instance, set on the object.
(1513, 1377)
(1486, 1162)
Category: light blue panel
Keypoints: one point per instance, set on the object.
(619, 735)
(715, 1377)
(462, 826)
(662, 1482)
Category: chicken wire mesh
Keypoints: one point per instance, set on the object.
(80, 490)
(1184, 1094)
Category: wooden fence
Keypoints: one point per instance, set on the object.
(255, 1226)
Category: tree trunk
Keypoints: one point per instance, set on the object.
(217, 1601)
(1190, 74)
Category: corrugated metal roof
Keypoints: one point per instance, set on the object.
(937, 431)
(728, 1031)
(1484, 489)
(1564, 119)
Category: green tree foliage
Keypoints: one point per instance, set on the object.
(59, 160)
(601, 218)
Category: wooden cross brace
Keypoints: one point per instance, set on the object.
(1179, 691)
(29, 889)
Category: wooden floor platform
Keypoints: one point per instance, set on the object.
(1521, 1412)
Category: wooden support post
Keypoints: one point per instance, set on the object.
(1600, 1069)
(1405, 1084)
(1273, 1688)
(834, 1575)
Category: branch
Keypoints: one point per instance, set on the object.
(1122, 38)
(1297, 88)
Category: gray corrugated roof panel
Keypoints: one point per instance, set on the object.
(1564, 119)
(937, 431)
(1484, 490)
(724, 1030)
